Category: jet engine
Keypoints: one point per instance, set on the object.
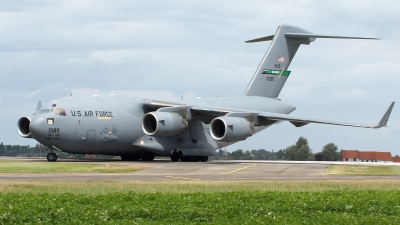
(163, 124)
(230, 129)
(23, 127)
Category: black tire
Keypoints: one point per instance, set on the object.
(51, 157)
(125, 157)
(134, 158)
(194, 159)
(183, 158)
(148, 157)
(189, 158)
(175, 158)
(203, 158)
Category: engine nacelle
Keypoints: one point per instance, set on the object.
(163, 124)
(23, 127)
(230, 129)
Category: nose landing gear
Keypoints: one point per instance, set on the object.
(52, 157)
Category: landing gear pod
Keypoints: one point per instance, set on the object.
(23, 127)
(230, 129)
(163, 124)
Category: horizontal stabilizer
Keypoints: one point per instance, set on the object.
(267, 38)
(299, 35)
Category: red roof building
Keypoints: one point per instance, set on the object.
(349, 155)
(364, 156)
(396, 159)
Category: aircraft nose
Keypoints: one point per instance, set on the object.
(35, 126)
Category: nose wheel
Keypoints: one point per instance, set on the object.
(51, 157)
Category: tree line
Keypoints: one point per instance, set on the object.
(21, 150)
(35, 151)
(300, 151)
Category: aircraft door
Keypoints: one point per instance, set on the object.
(90, 138)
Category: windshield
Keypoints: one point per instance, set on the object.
(55, 111)
(43, 111)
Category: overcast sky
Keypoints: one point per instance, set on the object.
(49, 49)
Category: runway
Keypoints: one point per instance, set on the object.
(165, 170)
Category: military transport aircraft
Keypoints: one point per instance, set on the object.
(186, 130)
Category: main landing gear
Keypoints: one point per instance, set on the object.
(144, 157)
(177, 155)
(52, 157)
(191, 158)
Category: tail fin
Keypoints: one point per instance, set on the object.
(272, 72)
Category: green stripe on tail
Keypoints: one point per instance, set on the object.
(275, 72)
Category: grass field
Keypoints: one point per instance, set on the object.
(236, 207)
(57, 167)
(197, 201)
(179, 187)
(363, 170)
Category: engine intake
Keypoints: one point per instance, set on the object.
(23, 127)
(230, 129)
(163, 124)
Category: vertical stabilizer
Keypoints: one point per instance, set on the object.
(272, 72)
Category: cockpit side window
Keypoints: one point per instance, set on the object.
(54, 111)
(43, 111)
(61, 112)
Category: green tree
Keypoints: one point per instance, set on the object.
(220, 153)
(2, 148)
(238, 154)
(280, 154)
(290, 152)
(247, 155)
(300, 151)
(261, 154)
(254, 153)
(330, 152)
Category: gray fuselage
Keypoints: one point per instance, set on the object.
(112, 125)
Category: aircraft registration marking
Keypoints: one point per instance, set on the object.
(243, 168)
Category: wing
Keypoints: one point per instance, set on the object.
(207, 113)
(301, 121)
(266, 118)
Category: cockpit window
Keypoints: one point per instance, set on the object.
(43, 111)
(61, 112)
(54, 111)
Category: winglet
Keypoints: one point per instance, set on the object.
(385, 117)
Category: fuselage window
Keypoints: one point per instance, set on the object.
(61, 112)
